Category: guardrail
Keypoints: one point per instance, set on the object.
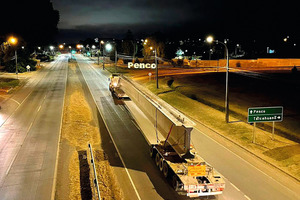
(96, 185)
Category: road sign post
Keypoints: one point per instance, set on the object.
(265, 114)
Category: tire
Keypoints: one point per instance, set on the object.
(157, 159)
(175, 183)
(161, 164)
(152, 154)
(165, 170)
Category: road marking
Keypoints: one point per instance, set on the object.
(39, 108)
(121, 108)
(235, 187)
(11, 163)
(121, 158)
(15, 101)
(247, 197)
(29, 127)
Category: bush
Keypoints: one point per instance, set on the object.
(180, 62)
(22, 63)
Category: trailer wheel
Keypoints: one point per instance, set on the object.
(175, 183)
(165, 170)
(161, 164)
(157, 159)
(152, 152)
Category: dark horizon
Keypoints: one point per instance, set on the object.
(265, 21)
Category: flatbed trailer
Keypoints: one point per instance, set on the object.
(191, 176)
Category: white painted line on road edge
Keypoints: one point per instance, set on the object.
(247, 197)
(121, 158)
(235, 187)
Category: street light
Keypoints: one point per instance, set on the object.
(108, 48)
(210, 39)
(13, 41)
(156, 69)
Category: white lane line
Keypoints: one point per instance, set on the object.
(29, 128)
(11, 163)
(121, 158)
(122, 108)
(39, 108)
(247, 197)
(235, 187)
(15, 101)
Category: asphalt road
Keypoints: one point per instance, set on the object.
(29, 136)
(244, 180)
(140, 178)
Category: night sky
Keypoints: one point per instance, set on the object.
(242, 20)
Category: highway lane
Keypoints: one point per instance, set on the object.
(30, 135)
(143, 180)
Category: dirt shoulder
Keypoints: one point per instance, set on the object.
(80, 127)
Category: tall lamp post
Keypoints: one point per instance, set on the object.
(156, 69)
(210, 39)
(108, 48)
(13, 41)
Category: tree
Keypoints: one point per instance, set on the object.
(151, 44)
(129, 46)
(33, 20)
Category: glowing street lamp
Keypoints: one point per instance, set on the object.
(108, 48)
(13, 41)
(61, 46)
(210, 39)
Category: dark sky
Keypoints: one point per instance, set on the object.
(254, 19)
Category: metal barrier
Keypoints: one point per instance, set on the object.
(96, 185)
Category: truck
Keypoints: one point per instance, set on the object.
(115, 87)
(171, 149)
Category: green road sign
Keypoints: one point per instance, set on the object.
(265, 114)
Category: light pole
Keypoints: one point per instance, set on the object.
(156, 69)
(13, 41)
(108, 48)
(210, 39)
